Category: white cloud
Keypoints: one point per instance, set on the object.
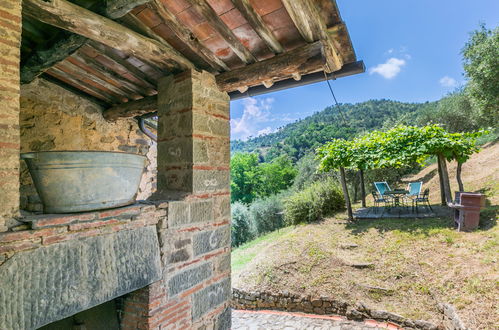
(389, 69)
(266, 130)
(447, 81)
(255, 111)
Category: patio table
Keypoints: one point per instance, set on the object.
(397, 194)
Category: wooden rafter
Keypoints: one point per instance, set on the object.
(187, 37)
(44, 59)
(311, 25)
(304, 60)
(66, 45)
(93, 63)
(258, 25)
(76, 19)
(301, 61)
(216, 22)
(123, 64)
(119, 8)
(80, 75)
(131, 109)
(95, 92)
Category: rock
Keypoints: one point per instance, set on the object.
(348, 246)
(362, 265)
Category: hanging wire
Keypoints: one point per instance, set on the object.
(335, 101)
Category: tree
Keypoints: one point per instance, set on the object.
(276, 176)
(245, 177)
(338, 154)
(399, 147)
(481, 65)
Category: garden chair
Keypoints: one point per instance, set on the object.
(378, 199)
(424, 198)
(382, 188)
(414, 189)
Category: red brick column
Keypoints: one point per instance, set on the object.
(10, 39)
(193, 174)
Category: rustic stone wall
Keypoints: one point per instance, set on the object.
(65, 264)
(10, 39)
(53, 118)
(193, 172)
(286, 301)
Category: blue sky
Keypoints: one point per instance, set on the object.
(411, 50)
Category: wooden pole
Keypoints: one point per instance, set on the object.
(445, 179)
(458, 176)
(345, 193)
(441, 182)
(362, 188)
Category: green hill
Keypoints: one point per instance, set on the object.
(298, 138)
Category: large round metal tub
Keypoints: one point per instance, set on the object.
(76, 181)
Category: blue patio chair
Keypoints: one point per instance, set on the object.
(414, 191)
(382, 187)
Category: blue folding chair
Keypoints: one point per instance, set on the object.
(382, 188)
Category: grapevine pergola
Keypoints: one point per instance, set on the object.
(398, 147)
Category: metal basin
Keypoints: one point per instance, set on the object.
(76, 181)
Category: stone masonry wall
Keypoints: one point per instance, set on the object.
(53, 118)
(286, 301)
(193, 170)
(64, 264)
(10, 39)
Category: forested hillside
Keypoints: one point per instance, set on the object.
(298, 138)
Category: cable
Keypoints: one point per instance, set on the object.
(334, 98)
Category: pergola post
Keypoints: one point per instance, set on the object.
(10, 43)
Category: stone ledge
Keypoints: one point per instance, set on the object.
(46, 229)
(286, 301)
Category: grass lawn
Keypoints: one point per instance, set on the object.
(399, 265)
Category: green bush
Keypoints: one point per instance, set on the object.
(241, 230)
(266, 214)
(318, 200)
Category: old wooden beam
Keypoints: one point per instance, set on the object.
(76, 19)
(187, 37)
(310, 23)
(42, 59)
(119, 8)
(121, 65)
(65, 46)
(257, 23)
(73, 68)
(114, 77)
(91, 90)
(203, 8)
(300, 61)
(131, 109)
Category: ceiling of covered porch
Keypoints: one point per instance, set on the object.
(115, 51)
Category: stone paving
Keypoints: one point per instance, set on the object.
(274, 320)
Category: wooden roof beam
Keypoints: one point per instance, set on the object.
(307, 59)
(301, 61)
(258, 25)
(187, 37)
(44, 59)
(216, 22)
(73, 18)
(310, 23)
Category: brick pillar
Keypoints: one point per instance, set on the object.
(10, 42)
(193, 174)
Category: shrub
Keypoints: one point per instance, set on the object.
(314, 202)
(241, 226)
(266, 214)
